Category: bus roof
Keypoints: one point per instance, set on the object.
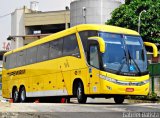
(106, 28)
(82, 27)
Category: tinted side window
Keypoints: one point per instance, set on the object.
(21, 57)
(4, 61)
(55, 48)
(7, 60)
(84, 37)
(31, 55)
(70, 46)
(13, 60)
(43, 52)
(94, 61)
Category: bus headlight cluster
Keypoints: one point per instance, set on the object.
(123, 82)
(146, 81)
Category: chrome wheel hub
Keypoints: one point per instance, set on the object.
(79, 92)
(15, 95)
(22, 95)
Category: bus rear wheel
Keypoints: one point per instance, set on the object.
(80, 94)
(119, 99)
(22, 95)
(15, 95)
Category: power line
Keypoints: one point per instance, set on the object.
(5, 15)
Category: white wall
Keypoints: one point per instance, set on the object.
(17, 27)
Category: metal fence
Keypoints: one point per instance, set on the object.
(154, 69)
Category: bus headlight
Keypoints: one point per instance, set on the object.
(124, 82)
(146, 81)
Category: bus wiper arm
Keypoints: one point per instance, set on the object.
(119, 70)
(130, 58)
(125, 57)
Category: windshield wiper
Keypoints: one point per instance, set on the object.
(125, 57)
(130, 58)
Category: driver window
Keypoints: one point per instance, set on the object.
(94, 61)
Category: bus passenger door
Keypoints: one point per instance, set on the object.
(93, 60)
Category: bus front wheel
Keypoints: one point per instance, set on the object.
(119, 99)
(15, 95)
(80, 94)
(22, 95)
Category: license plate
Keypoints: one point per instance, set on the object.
(129, 89)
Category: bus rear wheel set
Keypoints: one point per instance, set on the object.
(19, 96)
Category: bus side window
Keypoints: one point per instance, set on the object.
(7, 61)
(13, 60)
(70, 46)
(4, 61)
(31, 55)
(93, 56)
(55, 48)
(84, 37)
(21, 56)
(5, 58)
(43, 52)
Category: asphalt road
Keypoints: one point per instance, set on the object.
(95, 108)
(73, 110)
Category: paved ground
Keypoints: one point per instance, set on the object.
(90, 107)
(95, 108)
(72, 110)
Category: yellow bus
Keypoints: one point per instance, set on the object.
(1, 61)
(83, 61)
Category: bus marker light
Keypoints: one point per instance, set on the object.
(129, 89)
(90, 70)
(109, 88)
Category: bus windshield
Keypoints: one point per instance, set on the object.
(124, 53)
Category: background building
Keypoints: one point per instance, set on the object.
(31, 24)
(92, 11)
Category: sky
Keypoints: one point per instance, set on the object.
(9, 6)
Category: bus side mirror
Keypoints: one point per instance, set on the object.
(155, 49)
(100, 42)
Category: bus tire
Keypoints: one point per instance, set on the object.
(80, 93)
(15, 95)
(119, 99)
(22, 95)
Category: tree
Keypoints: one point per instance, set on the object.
(127, 16)
(127, 1)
